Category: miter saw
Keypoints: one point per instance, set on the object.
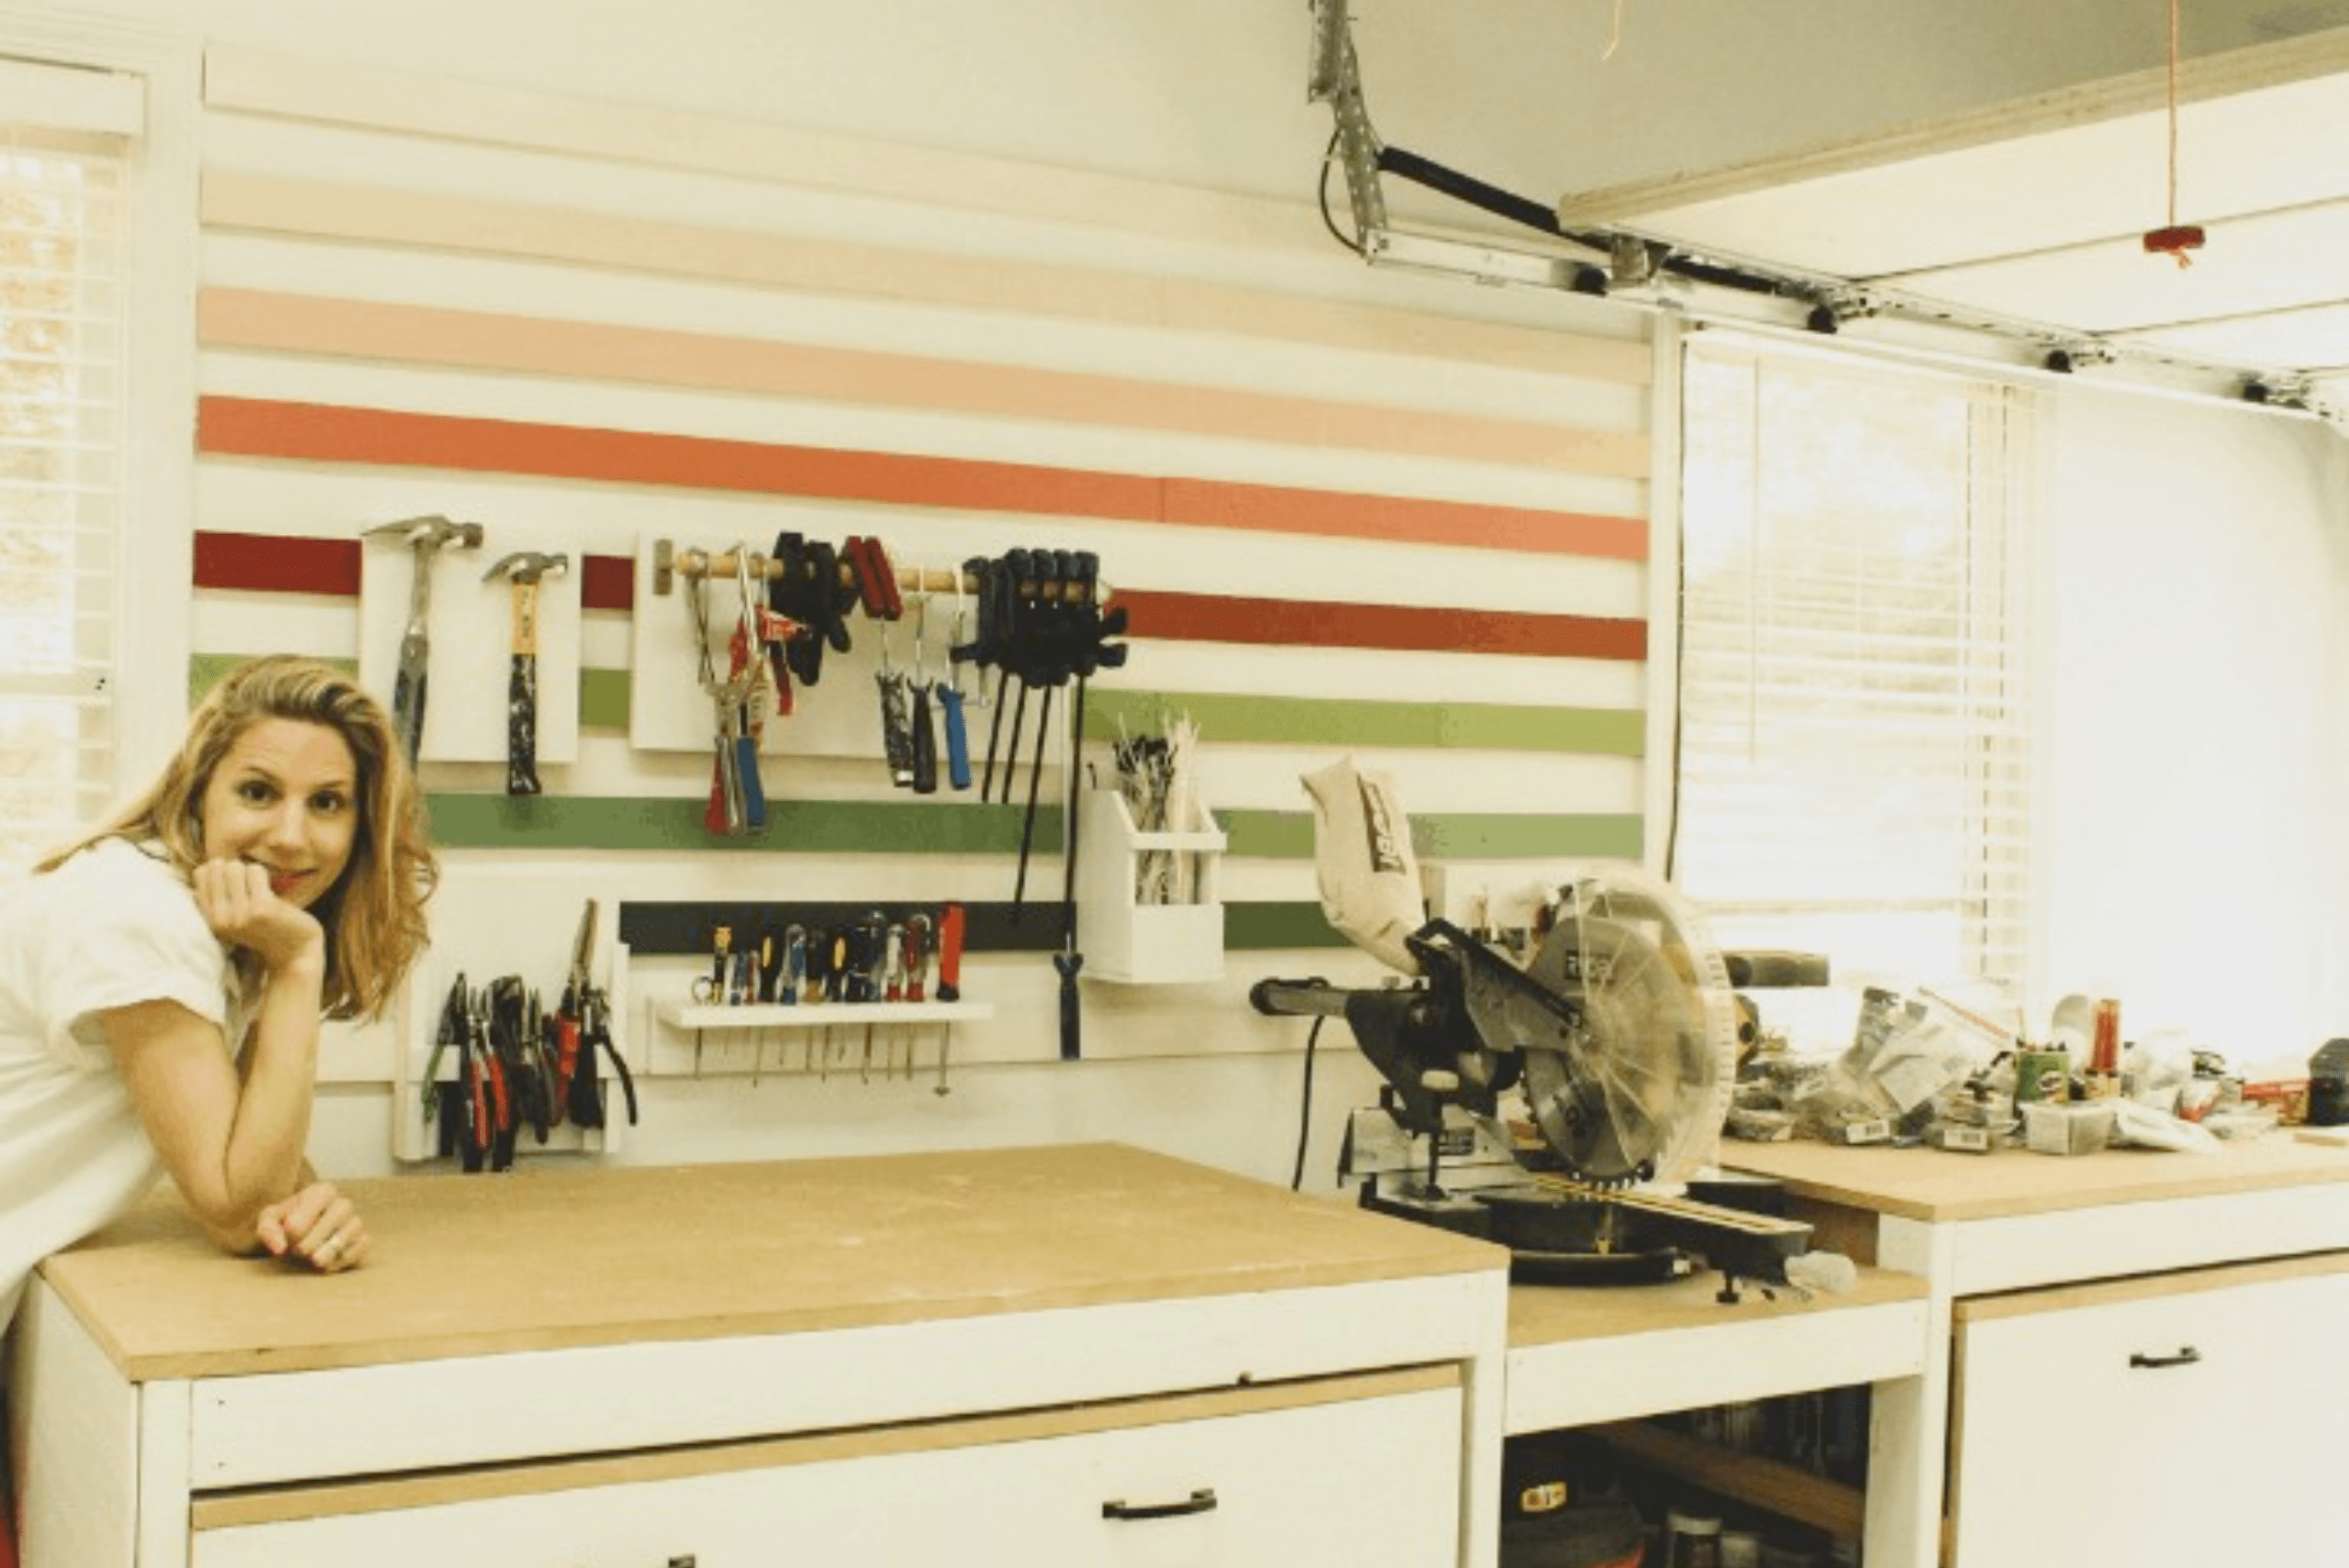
(1556, 1098)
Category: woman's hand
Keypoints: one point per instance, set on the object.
(237, 903)
(316, 1226)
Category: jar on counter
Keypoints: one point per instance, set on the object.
(1691, 1540)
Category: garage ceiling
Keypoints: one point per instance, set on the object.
(2033, 213)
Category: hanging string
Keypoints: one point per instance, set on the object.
(2175, 239)
(2173, 5)
(1615, 39)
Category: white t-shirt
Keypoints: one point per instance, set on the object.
(115, 925)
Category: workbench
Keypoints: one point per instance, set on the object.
(1082, 1354)
(2138, 1355)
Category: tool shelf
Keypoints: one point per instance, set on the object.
(814, 1015)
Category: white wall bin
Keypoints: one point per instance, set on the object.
(1130, 940)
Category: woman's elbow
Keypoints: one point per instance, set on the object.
(235, 1229)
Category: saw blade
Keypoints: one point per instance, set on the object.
(1642, 1080)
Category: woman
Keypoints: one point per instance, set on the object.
(162, 981)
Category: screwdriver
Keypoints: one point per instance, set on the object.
(950, 978)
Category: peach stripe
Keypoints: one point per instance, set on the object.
(318, 209)
(407, 334)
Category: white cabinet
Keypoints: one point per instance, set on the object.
(2032, 1438)
(2185, 1419)
(1362, 1470)
(1085, 1355)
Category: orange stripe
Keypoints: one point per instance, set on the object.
(1212, 504)
(313, 432)
(425, 334)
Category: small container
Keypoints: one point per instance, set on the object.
(2079, 1129)
(2042, 1073)
(1691, 1540)
(1741, 1549)
(2105, 1055)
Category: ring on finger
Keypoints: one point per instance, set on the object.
(328, 1247)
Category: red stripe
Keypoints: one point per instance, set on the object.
(276, 563)
(1200, 618)
(237, 427)
(606, 582)
(273, 564)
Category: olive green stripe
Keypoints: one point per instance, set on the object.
(590, 822)
(1248, 926)
(606, 698)
(1333, 721)
(1285, 835)
(925, 826)
(205, 669)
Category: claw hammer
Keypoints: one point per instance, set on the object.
(426, 536)
(525, 568)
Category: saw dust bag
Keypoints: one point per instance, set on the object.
(1362, 860)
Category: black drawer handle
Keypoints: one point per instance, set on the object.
(2186, 1356)
(1202, 1501)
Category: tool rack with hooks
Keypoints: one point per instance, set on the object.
(770, 668)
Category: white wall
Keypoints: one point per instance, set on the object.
(2194, 677)
(2197, 728)
(316, 138)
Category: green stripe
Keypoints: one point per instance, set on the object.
(1288, 835)
(1269, 925)
(606, 699)
(1467, 836)
(1331, 721)
(950, 828)
(587, 822)
(206, 670)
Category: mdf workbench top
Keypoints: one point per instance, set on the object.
(1937, 1186)
(465, 1266)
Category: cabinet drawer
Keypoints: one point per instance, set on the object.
(2181, 1418)
(1363, 1469)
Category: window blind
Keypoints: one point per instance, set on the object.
(63, 329)
(1853, 725)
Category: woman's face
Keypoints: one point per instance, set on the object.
(285, 796)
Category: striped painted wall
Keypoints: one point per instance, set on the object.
(1347, 511)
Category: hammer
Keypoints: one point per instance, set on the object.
(524, 569)
(425, 536)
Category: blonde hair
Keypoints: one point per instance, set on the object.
(374, 915)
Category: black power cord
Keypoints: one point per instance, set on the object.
(1304, 1105)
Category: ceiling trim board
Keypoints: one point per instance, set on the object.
(2211, 78)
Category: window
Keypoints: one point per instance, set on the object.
(1853, 776)
(82, 449)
